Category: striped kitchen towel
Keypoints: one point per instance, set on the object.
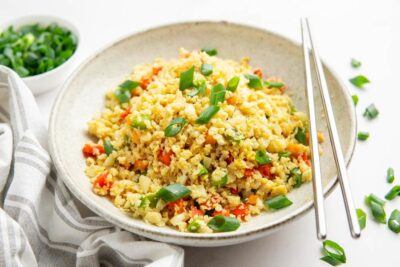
(41, 223)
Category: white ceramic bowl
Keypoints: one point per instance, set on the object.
(82, 97)
(52, 79)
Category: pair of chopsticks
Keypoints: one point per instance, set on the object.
(308, 43)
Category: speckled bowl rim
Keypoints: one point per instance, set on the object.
(257, 232)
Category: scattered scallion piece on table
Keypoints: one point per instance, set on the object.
(206, 69)
(173, 192)
(300, 136)
(394, 192)
(371, 112)
(217, 94)
(233, 84)
(355, 63)
(207, 114)
(355, 99)
(255, 82)
(377, 208)
(394, 221)
(210, 51)
(186, 79)
(174, 127)
(278, 202)
(297, 177)
(359, 81)
(334, 253)
(362, 136)
(108, 147)
(221, 223)
(262, 158)
(390, 175)
(362, 218)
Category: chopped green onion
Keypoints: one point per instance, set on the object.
(234, 135)
(394, 192)
(149, 200)
(394, 221)
(371, 112)
(255, 82)
(273, 84)
(203, 170)
(194, 226)
(334, 253)
(362, 218)
(174, 127)
(362, 136)
(129, 85)
(359, 81)
(278, 202)
(122, 95)
(206, 69)
(300, 136)
(390, 175)
(233, 84)
(297, 177)
(355, 99)
(108, 147)
(217, 94)
(173, 192)
(221, 182)
(376, 205)
(262, 158)
(355, 63)
(210, 51)
(186, 79)
(221, 223)
(207, 114)
(284, 154)
(199, 89)
(140, 122)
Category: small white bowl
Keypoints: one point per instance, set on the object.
(49, 80)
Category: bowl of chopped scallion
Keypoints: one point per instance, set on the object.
(40, 49)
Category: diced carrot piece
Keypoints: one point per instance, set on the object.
(232, 100)
(156, 70)
(241, 211)
(295, 149)
(305, 158)
(94, 150)
(126, 112)
(265, 170)
(145, 83)
(210, 140)
(165, 157)
(140, 165)
(195, 211)
(252, 199)
(178, 206)
(223, 212)
(258, 72)
(101, 180)
(248, 172)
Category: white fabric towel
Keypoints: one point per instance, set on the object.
(41, 223)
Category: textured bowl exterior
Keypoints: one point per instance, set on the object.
(82, 97)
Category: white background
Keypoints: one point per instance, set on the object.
(366, 30)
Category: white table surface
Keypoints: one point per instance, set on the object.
(366, 30)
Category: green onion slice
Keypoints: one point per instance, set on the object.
(174, 127)
(297, 177)
(355, 99)
(262, 158)
(394, 192)
(206, 69)
(233, 84)
(202, 171)
(374, 198)
(210, 51)
(207, 114)
(273, 84)
(359, 81)
(129, 85)
(173, 192)
(255, 82)
(186, 79)
(122, 95)
(221, 223)
(234, 135)
(278, 202)
(149, 200)
(371, 112)
(377, 209)
(284, 154)
(334, 253)
(139, 122)
(300, 136)
(194, 226)
(362, 218)
(108, 147)
(362, 136)
(221, 182)
(355, 63)
(199, 89)
(394, 221)
(390, 175)
(217, 94)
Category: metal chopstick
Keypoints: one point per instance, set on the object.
(315, 163)
(335, 141)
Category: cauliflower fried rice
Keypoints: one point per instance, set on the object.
(198, 143)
